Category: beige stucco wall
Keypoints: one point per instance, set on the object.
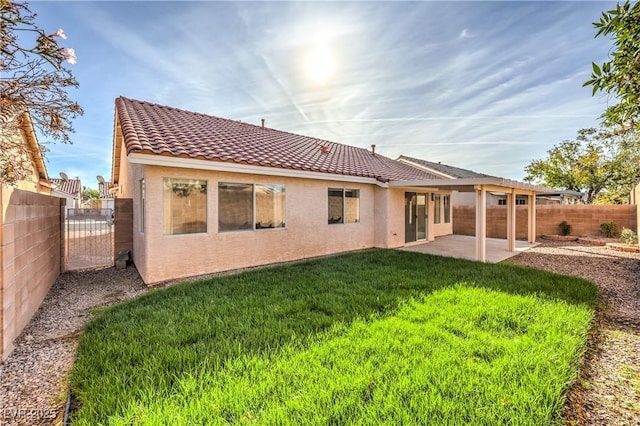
(388, 217)
(307, 233)
(30, 257)
(129, 187)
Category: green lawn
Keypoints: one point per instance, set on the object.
(373, 337)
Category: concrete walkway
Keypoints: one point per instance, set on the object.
(464, 247)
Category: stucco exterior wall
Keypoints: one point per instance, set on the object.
(388, 215)
(30, 257)
(307, 234)
(129, 187)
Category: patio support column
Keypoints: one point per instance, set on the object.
(531, 218)
(511, 220)
(481, 223)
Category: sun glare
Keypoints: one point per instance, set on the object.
(320, 64)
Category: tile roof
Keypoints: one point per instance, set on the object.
(156, 129)
(454, 172)
(70, 187)
(103, 189)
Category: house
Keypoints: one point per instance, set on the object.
(36, 178)
(105, 197)
(69, 189)
(493, 198)
(212, 194)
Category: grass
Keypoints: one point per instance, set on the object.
(371, 337)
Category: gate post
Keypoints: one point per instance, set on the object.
(123, 226)
(63, 237)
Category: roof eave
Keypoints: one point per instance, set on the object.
(471, 184)
(225, 166)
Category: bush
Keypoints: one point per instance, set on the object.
(609, 229)
(629, 237)
(565, 228)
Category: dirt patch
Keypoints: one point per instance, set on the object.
(34, 378)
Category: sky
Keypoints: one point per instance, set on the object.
(487, 86)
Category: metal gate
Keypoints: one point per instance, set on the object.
(89, 238)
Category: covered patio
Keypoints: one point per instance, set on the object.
(480, 245)
(464, 247)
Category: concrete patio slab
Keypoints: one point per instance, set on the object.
(464, 247)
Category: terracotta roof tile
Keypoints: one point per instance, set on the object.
(157, 129)
(103, 189)
(71, 187)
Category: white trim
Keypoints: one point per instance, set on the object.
(494, 181)
(222, 166)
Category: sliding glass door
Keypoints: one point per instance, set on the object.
(415, 216)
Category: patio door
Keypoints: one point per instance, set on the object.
(415, 216)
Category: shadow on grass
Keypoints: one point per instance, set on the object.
(150, 343)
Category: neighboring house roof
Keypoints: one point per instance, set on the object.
(70, 187)
(449, 172)
(563, 192)
(103, 189)
(149, 128)
(35, 149)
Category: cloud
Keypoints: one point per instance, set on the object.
(464, 34)
(402, 81)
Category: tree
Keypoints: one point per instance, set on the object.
(33, 79)
(89, 194)
(620, 76)
(601, 163)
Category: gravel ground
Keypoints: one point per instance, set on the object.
(34, 379)
(607, 391)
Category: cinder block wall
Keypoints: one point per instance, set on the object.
(585, 220)
(30, 257)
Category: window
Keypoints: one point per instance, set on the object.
(446, 201)
(142, 205)
(237, 203)
(184, 206)
(437, 205)
(343, 205)
(519, 202)
(270, 206)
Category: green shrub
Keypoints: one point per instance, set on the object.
(609, 229)
(629, 237)
(565, 228)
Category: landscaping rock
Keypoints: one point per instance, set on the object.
(559, 237)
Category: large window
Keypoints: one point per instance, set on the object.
(441, 208)
(237, 203)
(344, 205)
(184, 206)
(270, 206)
